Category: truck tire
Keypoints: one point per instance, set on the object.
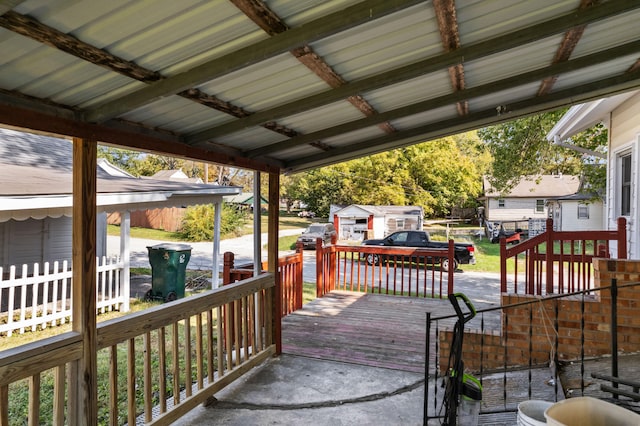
(373, 259)
(444, 265)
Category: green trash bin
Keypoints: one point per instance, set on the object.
(168, 268)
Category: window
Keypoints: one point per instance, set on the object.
(501, 203)
(583, 211)
(625, 184)
(399, 223)
(539, 206)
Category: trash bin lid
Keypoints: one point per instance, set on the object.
(170, 247)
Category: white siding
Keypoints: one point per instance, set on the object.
(625, 126)
(570, 221)
(514, 209)
(42, 240)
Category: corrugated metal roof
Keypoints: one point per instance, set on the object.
(312, 83)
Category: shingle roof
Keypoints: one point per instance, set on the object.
(39, 179)
(544, 186)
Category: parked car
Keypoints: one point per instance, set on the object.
(326, 231)
(464, 253)
(306, 213)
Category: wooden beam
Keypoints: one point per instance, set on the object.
(577, 94)
(32, 28)
(362, 12)
(468, 94)
(450, 36)
(566, 48)
(84, 409)
(272, 256)
(436, 63)
(124, 134)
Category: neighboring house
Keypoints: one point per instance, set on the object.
(577, 212)
(36, 197)
(176, 175)
(528, 199)
(357, 222)
(620, 115)
(244, 200)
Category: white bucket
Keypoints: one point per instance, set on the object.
(531, 413)
(587, 411)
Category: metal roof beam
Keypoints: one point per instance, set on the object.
(360, 13)
(450, 35)
(572, 95)
(459, 96)
(461, 55)
(568, 44)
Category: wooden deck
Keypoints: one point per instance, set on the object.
(366, 329)
(389, 332)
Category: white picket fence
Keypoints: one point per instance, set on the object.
(42, 298)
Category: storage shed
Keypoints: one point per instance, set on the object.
(358, 222)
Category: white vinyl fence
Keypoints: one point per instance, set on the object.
(42, 297)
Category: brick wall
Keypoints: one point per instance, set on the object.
(528, 331)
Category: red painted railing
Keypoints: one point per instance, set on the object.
(289, 273)
(557, 262)
(408, 271)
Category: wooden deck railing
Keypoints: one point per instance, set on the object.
(155, 365)
(557, 262)
(289, 273)
(413, 272)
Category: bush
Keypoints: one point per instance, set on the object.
(197, 223)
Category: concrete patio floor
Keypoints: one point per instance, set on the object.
(294, 390)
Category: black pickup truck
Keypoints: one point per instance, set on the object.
(464, 253)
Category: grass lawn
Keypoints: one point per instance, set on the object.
(286, 222)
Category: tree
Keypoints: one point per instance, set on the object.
(125, 159)
(520, 148)
(436, 175)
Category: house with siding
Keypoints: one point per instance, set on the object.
(357, 222)
(537, 198)
(527, 200)
(36, 198)
(620, 115)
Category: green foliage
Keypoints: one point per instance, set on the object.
(436, 175)
(198, 221)
(520, 148)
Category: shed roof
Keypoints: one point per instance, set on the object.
(382, 210)
(543, 186)
(37, 182)
(290, 85)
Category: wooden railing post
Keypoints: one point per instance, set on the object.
(451, 255)
(228, 264)
(549, 255)
(622, 238)
(299, 284)
(272, 257)
(320, 284)
(503, 265)
(83, 386)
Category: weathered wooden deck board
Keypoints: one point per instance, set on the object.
(389, 332)
(367, 329)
